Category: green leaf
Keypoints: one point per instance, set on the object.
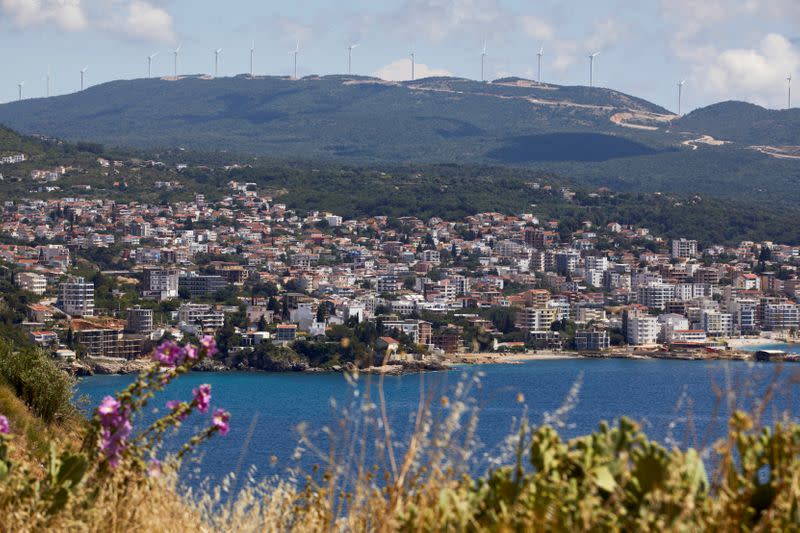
(73, 468)
(602, 477)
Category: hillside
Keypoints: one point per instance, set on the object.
(744, 123)
(365, 119)
(594, 136)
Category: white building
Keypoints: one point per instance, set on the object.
(201, 316)
(670, 323)
(781, 316)
(656, 295)
(76, 297)
(31, 282)
(684, 248)
(716, 323)
(643, 330)
(745, 315)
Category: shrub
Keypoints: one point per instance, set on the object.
(37, 380)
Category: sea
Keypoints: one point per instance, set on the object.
(286, 424)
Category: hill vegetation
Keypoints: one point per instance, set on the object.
(595, 136)
(424, 190)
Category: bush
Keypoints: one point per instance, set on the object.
(37, 380)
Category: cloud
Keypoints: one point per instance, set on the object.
(440, 19)
(400, 70)
(536, 28)
(66, 14)
(757, 74)
(149, 23)
(137, 19)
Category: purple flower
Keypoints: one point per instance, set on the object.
(209, 345)
(202, 397)
(174, 405)
(3, 425)
(191, 351)
(115, 429)
(169, 353)
(221, 420)
(108, 407)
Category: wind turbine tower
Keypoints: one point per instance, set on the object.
(217, 52)
(591, 68)
(252, 51)
(83, 75)
(680, 91)
(19, 86)
(150, 63)
(539, 64)
(483, 60)
(350, 58)
(175, 60)
(295, 52)
(413, 64)
(789, 96)
(47, 92)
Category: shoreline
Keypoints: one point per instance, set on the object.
(114, 367)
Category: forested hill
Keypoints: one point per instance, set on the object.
(745, 123)
(596, 136)
(357, 118)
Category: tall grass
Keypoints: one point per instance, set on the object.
(372, 476)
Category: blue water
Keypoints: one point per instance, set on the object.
(780, 346)
(656, 393)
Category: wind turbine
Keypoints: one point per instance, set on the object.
(483, 58)
(591, 67)
(216, 61)
(150, 62)
(680, 90)
(539, 55)
(413, 64)
(295, 52)
(350, 58)
(252, 51)
(789, 87)
(175, 60)
(19, 86)
(47, 92)
(83, 73)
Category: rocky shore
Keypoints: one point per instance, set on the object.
(111, 366)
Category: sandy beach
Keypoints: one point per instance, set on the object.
(510, 358)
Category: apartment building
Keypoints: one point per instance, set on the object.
(76, 297)
(31, 282)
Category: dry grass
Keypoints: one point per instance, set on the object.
(422, 481)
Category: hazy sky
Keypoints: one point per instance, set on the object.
(725, 49)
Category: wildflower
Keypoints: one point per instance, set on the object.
(108, 407)
(115, 429)
(154, 468)
(209, 345)
(169, 353)
(202, 397)
(174, 405)
(3, 425)
(220, 421)
(190, 351)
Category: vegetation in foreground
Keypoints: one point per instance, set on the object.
(111, 475)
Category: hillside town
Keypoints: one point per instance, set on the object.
(105, 279)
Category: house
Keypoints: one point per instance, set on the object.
(285, 333)
(388, 346)
(43, 338)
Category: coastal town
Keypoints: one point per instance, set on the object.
(101, 280)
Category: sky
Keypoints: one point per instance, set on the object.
(723, 49)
